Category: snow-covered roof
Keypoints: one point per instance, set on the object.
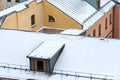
(72, 32)
(16, 8)
(46, 50)
(103, 2)
(79, 10)
(80, 54)
(95, 17)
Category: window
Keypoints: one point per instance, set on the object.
(99, 31)
(51, 18)
(17, 0)
(88, 35)
(40, 66)
(110, 19)
(33, 20)
(8, 0)
(98, 4)
(106, 23)
(37, 65)
(110, 36)
(94, 33)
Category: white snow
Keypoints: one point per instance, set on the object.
(46, 50)
(72, 32)
(87, 24)
(39, 1)
(103, 2)
(81, 54)
(79, 10)
(16, 8)
(12, 44)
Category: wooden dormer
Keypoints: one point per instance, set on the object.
(44, 57)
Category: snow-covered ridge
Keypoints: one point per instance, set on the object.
(98, 14)
(79, 10)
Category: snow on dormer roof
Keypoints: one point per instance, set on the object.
(46, 50)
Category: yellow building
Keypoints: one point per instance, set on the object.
(33, 14)
(4, 4)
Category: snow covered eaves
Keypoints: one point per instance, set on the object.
(16, 8)
(79, 10)
(98, 14)
(103, 2)
(72, 32)
(82, 12)
(46, 50)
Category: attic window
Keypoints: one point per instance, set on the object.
(51, 18)
(43, 59)
(106, 24)
(33, 20)
(98, 4)
(40, 66)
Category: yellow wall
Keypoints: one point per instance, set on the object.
(24, 17)
(61, 19)
(22, 20)
(10, 22)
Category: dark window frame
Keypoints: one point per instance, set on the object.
(106, 23)
(51, 18)
(40, 65)
(99, 30)
(94, 33)
(33, 20)
(110, 19)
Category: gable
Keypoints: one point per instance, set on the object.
(79, 10)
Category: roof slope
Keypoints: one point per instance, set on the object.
(81, 54)
(46, 50)
(83, 11)
(79, 10)
(95, 4)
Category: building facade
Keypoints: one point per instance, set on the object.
(103, 27)
(8, 3)
(36, 14)
(117, 21)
